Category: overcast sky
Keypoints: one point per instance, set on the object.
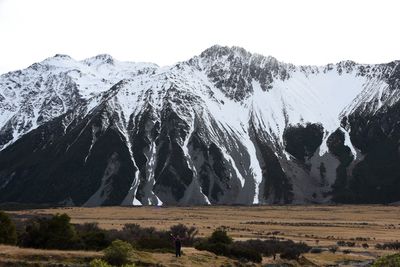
(167, 31)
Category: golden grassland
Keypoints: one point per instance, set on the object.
(14, 256)
(306, 223)
(316, 225)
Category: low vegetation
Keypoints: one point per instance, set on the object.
(387, 261)
(118, 253)
(389, 245)
(221, 244)
(346, 244)
(57, 232)
(253, 250)
(50, 233)
(133, 243)
(103, 263)
(8, 233)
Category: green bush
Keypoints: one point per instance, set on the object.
(61, 233)
(216, 248)
(57, 232)
(52, 233)
(316, 250)
(333, 249)
(230, 250)
(92, 237)
(345, 244)
(154, 243)
(102, 263)
(291, 254)
(99, 263)
(94, 241)
(187, 233)
(8, 234)
(241, 252)
(118, 253)
(221, 244)
(148, 238)
(272, 247)
(389, 245)
(220, 236)
(388, 261)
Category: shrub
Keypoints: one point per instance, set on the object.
(273, 247)
(94, 241)
(316, 250)
(345, 244)
(258, 245)
(220, 236)
(241, 252)
(350, 244)
(221, 244)
(56, 232)
(99, 263)
(60, 231)
(217, 243)
(102, 263)
(92, 237)
(135, 231)
(389, 245)
(143, 237)
(365, 245)
(187, 233)
(387, 261)
(333, 249)
(230, 250)
(8, 234)
(147, 238)
(118, 253)
(216, 248)
(291, 254)
(154, 243)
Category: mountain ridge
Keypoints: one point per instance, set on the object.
(224, 127)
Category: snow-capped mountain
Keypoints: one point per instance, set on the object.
(225, 127)
(51, 88)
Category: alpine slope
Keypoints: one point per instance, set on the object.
(224, 127)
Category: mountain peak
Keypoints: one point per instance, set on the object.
(100, 59)
(217, 51)
(62, 56)
(58, 60)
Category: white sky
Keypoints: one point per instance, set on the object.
(167, 31)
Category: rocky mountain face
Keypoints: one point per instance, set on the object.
(225, 127)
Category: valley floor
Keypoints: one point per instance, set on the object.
(16, 257)
(318, 226)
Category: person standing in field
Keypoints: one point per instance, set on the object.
(178, 245)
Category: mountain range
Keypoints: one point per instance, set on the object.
(224, 127)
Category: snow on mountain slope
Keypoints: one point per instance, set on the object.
(302, 98)
(379, 91)
(225, 127)
(49, 89)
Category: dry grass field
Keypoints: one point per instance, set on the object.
(16, 257)
(316, 225)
